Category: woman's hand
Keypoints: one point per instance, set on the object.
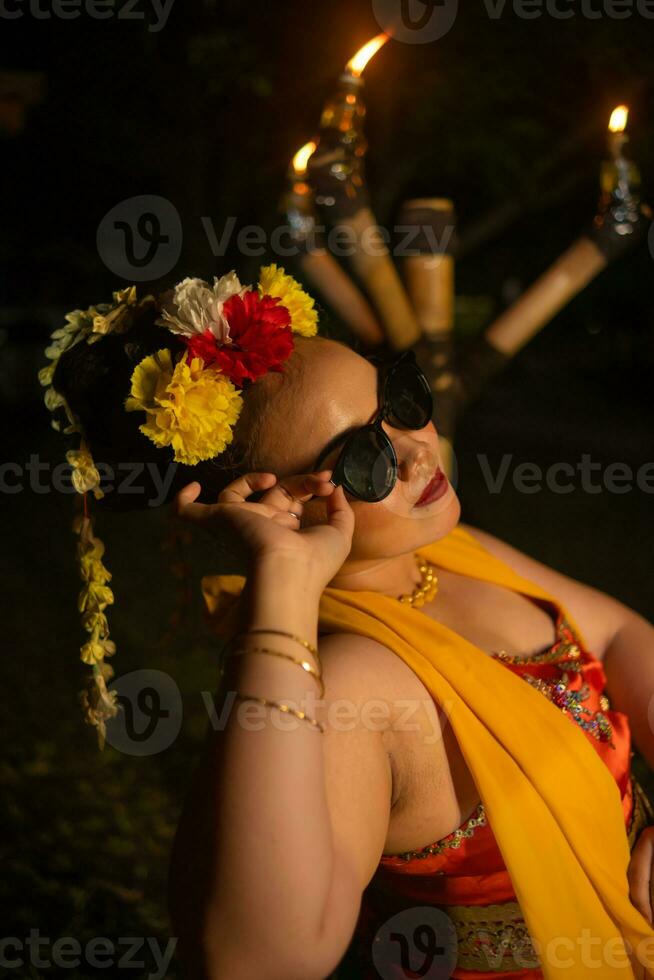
(640, 871)
(271, 525)
(641, 886)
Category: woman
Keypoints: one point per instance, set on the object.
(370, 744)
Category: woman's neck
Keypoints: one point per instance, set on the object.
(392, 576)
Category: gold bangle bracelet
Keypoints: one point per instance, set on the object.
(291, 636)
(304, 664)
(302, 715)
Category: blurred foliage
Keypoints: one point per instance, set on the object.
(87, 834)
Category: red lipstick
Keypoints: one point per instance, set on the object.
(435, 489)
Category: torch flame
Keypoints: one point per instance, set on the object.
(618, 121)
(357, 64)
(302, 157)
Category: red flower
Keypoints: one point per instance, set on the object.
(260, 331)
(202, 345)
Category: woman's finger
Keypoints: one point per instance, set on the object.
(639, 875)
(187, 508)
(240, 489)
(287, 519)
(298, 489)
(186, 496)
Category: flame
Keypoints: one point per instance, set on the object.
(357, 64)
(618, 121)
(302, 157)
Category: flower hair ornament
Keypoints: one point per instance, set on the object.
(191, 401)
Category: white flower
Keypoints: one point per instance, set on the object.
(195, 306)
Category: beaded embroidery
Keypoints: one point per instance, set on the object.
(596, 724)
(492, 938)
(454, 840)
(566, 648)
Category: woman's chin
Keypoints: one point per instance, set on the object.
(436, 520)
(382, 531)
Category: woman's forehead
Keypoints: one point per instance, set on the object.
(337, 388)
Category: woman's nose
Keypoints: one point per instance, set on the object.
(414, 459)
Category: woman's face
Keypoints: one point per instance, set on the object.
(337, 390)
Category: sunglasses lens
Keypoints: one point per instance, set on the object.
(368, 466)
(410, 397)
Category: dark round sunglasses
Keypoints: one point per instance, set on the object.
(367, 465)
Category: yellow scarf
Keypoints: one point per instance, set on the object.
(551, 801)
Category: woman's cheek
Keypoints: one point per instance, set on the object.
(373, 523)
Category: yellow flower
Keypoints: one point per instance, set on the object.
(94, 598)
(53, 400)
(97, 648)
(46, 374)
(95, 651)
(118, 319)
(95, 620)
(98, 702)
(95, 595)
(189, 407)
(273, 281)
(92, 570)
(85, 475)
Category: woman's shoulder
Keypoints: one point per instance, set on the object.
(363, 671)
(363, 655)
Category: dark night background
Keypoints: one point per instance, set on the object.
(207, 113)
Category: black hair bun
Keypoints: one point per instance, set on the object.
(95, 380)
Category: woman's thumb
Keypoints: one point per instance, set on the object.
(339, 511)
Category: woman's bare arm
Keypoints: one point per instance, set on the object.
(271, 855)
(629, 667)
(617, 635)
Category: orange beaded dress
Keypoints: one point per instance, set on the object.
(464, 874)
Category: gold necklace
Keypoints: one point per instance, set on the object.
(428, 587)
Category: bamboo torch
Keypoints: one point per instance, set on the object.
(621, 222)
(336, 172)
(429, 275)
(316, 263)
